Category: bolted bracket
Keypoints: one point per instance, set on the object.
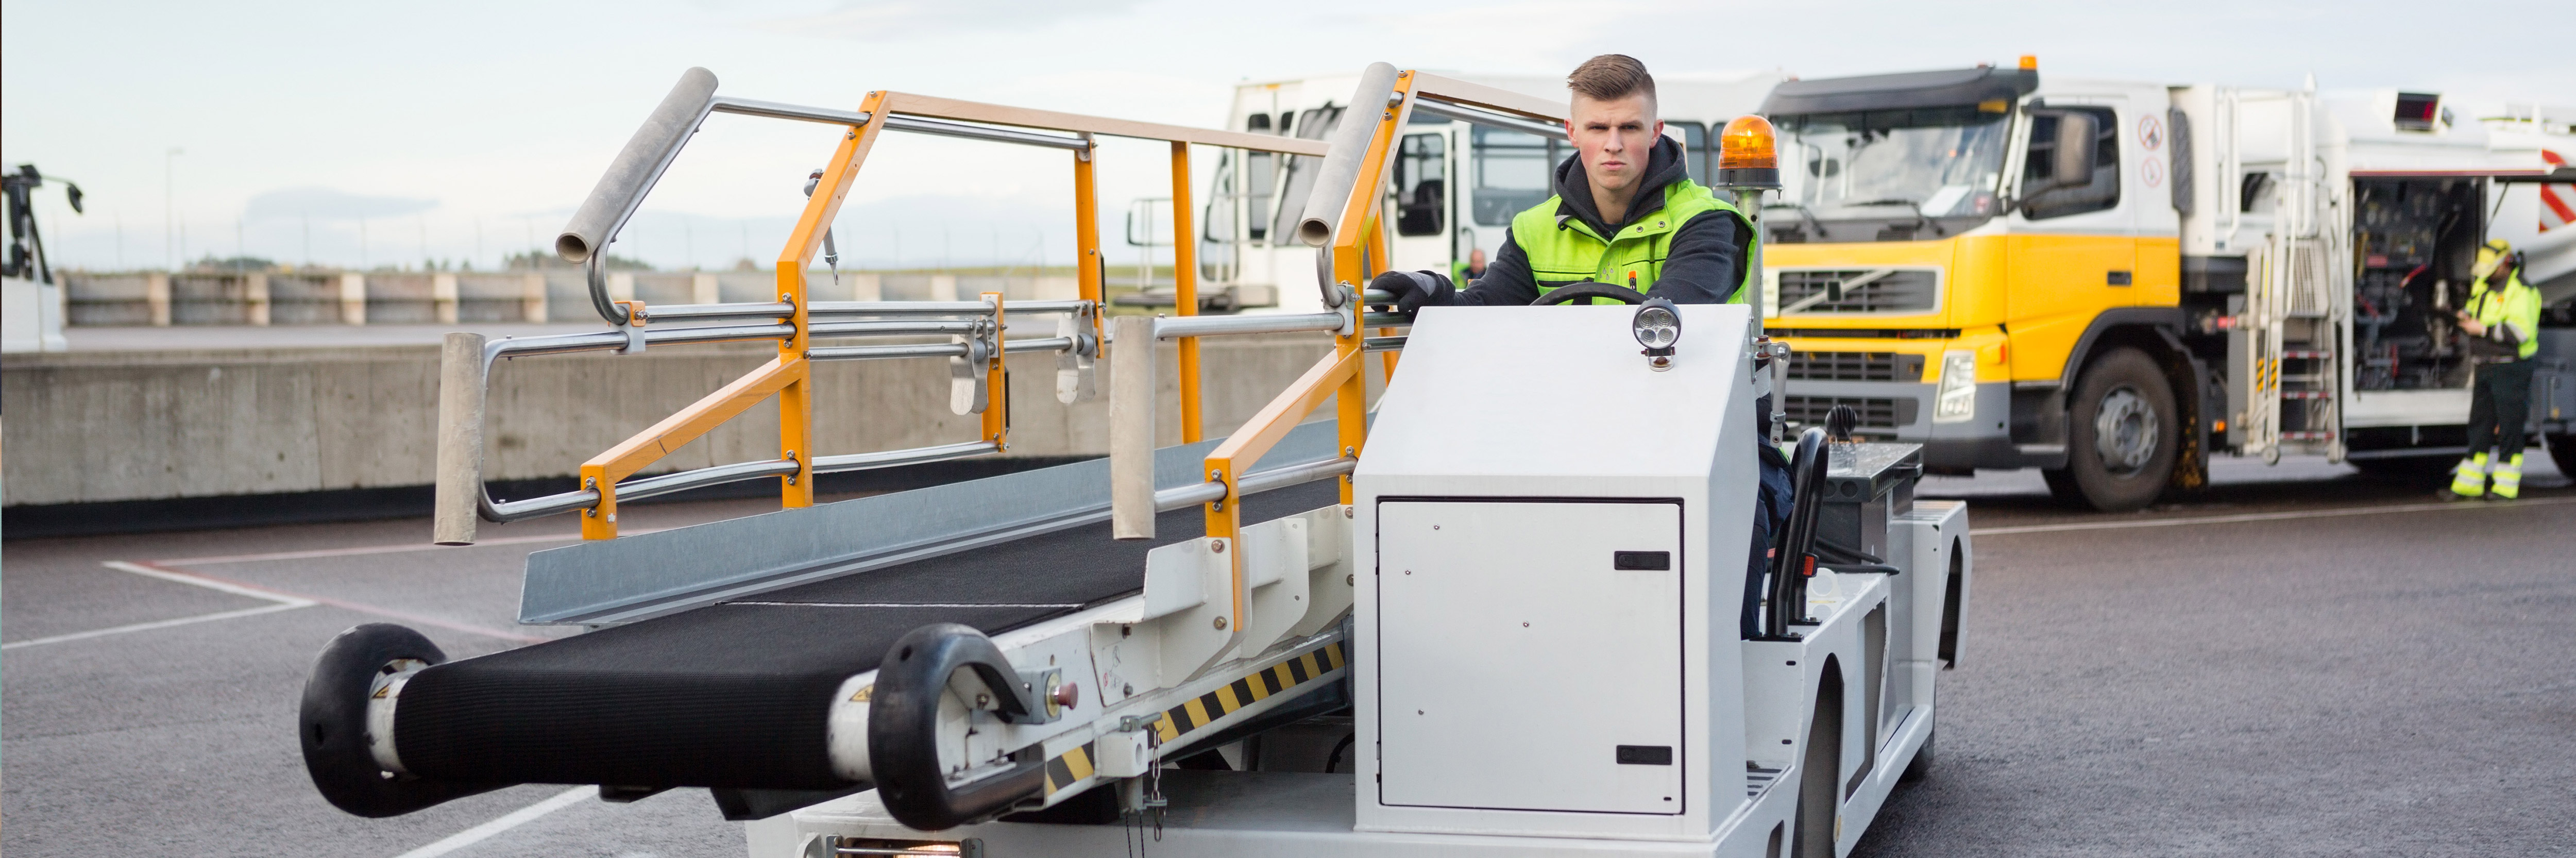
(1075, 371)
(967, 393)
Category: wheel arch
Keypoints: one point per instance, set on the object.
(2156, 332)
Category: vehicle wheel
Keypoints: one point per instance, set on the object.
(2122, 435)
(2562, 450)
(1921, 767)
(2061, 485)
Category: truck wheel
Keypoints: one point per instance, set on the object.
(2562, 450)
(1921, 767)
(2122, 436)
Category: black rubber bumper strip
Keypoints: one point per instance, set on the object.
(903, 730)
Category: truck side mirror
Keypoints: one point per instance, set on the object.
(2070, 153)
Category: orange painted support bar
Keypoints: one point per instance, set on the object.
(604, 470)
(997, 408)
(796, 400)
(1185, 292)
(1240, 450)
(1355, 234)
(1086, 236)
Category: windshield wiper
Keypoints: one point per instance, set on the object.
(1804, 213)
(1920, 219)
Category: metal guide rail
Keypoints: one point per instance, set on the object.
(751, 657)
(976, 349)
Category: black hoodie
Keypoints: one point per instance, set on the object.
(1705, 266)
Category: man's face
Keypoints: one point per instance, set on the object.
(1615, 138)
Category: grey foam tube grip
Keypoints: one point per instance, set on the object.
(460, 438)
(1339, 176)
(638, 166)
(1131, 427)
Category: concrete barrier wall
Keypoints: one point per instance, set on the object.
(86, 427)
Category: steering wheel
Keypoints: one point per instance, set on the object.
(1590, 289)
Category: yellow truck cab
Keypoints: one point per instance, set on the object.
(1996, 267)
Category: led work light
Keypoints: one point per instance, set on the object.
(1657, 327)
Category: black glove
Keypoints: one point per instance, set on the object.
(1414, 290)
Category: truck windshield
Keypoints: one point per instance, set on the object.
(1888, 175)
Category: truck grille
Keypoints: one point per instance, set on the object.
(1880, 413)
(1859, 290)
(1855, 366)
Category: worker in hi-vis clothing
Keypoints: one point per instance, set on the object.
(2502, 319)
(1627, 214)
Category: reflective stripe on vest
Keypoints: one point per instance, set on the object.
(2516, 304)
(1566, 252)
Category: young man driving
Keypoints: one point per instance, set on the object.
(1625, 213)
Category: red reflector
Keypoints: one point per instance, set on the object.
(1809, 569)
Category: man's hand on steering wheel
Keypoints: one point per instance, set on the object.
(1414, 290)
(1590, 289)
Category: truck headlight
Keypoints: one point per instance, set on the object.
(1957, 399)
(1657, 327)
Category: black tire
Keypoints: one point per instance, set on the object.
(332, 724)
(1921, 767)
(2126, 467)
(2562, 450)
(2061, 485)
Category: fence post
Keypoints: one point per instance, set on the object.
(353, 298)
(443, 297)
(255, 292)
(156, 297)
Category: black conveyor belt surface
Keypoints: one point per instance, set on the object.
(736, 694)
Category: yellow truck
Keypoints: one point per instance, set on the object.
(2114, 281)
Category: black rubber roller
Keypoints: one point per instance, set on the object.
(333, 724)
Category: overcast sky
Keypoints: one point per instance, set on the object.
(466, 129)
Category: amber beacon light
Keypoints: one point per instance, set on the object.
(1747, 155)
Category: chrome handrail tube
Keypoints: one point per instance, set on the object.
(899, 308)
(892, 458)
(1385, 320)
(970, 131)
(1382, 344)
(920, 350)
(893, 328)
(680, 481)
(1284, 476)
(780, 110)
(1489, 118)
(1039, 344)
(506, 512)
(719, 333)
(1173, 327)
(697, 312)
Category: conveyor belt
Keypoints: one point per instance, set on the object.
(736, 694)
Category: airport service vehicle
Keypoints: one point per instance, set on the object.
(2114, 281)
(1382, 633)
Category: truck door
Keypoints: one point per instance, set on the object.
(1418, 203)
(2073, 244)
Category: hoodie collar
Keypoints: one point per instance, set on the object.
(1574, 189)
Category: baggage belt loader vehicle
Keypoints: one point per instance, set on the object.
(2115, 281)
(1528, 595)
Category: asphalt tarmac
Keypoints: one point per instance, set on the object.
(2299, 661)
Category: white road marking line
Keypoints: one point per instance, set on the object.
(208, 583)
(283, 602)
(909, 604)
(160, 624)
(2266, 516)
(380, 549)
(514, 819)
(153, 569)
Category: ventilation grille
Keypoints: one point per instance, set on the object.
(1855, 366)
(1859, 290)
(1884, 414)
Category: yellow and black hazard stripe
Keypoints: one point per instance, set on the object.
(1077, 764)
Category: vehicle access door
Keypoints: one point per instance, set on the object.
(1490, 604)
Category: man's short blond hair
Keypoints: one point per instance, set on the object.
(1610, 77)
